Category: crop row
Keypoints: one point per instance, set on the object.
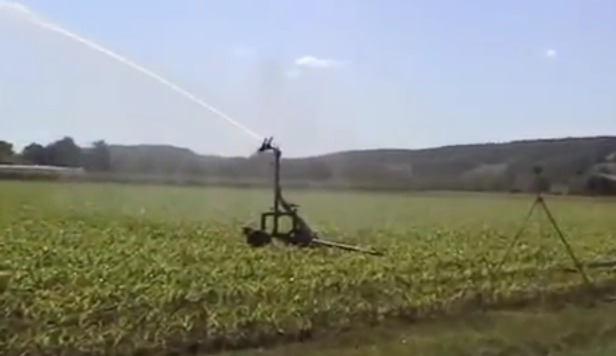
(87, 283)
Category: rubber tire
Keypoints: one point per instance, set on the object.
(258, 238)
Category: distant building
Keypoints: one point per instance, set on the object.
(601, 184)
(598, 180)
(38, 171)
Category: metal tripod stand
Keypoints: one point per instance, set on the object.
(540, 202)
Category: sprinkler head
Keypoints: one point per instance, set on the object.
(266, 145)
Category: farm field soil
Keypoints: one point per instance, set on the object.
(93, 267)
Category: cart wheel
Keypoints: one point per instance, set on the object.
(257, 238)
(300, 238)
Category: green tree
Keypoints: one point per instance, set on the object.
(64, 153)
(97, 158)
(34, 153)
(6, 152)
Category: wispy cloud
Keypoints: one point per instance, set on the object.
(551, 53)
(322, 63)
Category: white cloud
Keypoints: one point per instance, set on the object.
(551, 53)
(244, 51)
(314, 62)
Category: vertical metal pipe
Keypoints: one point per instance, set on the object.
(277, 154)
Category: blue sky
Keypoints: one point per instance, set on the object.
(320, 75)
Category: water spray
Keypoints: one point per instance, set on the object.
(16, 8)
(301, 234)
(27, 14)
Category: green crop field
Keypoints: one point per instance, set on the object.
(95, 267)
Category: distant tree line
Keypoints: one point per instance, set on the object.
(61, 153)
(512, 166)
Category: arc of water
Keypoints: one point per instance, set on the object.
(38, 21)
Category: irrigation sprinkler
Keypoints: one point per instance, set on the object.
(300, 233)
(539, 202)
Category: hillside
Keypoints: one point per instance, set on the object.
(572, 164)
(494, 166)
